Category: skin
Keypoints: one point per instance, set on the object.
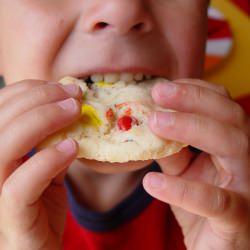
(45, 40)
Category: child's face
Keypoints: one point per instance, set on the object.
(49, 39)
(52, 38)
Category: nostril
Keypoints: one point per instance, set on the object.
(101, 25)
(138, 27)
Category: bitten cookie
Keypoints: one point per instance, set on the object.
(113, 125)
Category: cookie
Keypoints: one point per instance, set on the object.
(113, 125)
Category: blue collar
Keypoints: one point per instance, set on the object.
(123, 212)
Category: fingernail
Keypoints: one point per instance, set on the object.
(166, 90)
(68, 104)
(163, 119)
(71, 89)
(169, 89)
(155, 181)
(66, 146)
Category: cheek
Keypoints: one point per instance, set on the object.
(30, 38)
(186, 32)
(189, 45)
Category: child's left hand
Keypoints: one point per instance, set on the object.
(209, 193)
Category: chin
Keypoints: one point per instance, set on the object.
(109, 168)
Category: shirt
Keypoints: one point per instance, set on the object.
(138, 222)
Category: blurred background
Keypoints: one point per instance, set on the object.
(228, 48)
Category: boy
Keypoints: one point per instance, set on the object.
(208, 192)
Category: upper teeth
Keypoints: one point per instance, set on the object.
(113, 77)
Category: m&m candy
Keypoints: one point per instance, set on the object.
(126, 122)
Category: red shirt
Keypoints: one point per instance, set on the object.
(153, 229)
(138, 222)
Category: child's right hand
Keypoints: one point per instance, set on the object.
(32, 196)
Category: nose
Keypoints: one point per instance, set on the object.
(118, 16)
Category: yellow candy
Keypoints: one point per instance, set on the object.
(90, 116)
(101, 84)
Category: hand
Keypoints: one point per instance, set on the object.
(209, 192)
(32, 196)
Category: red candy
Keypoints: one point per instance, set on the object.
(126, 122)
(110, 114)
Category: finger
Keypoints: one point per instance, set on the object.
(187, 165)
(176, 164)
(211, 136)
(201, 100)
(10, 92)
(26, 185)
(203, 169)
(220, 89)
(219, 205)
(34, 97)
(27, 130)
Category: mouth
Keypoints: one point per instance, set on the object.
(125, 74)
(116, 77)
(103, 76)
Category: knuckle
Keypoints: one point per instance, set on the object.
(9, 195)
(198, 124)
(56, 90)
(184, 193)
(49, 92)
(242, 144)
(40, 93)
(221, 202)
(198, 94)
(222, 90)
(51, 117)
(239, 115)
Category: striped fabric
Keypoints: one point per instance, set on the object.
(220, 39)
(243, 4)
